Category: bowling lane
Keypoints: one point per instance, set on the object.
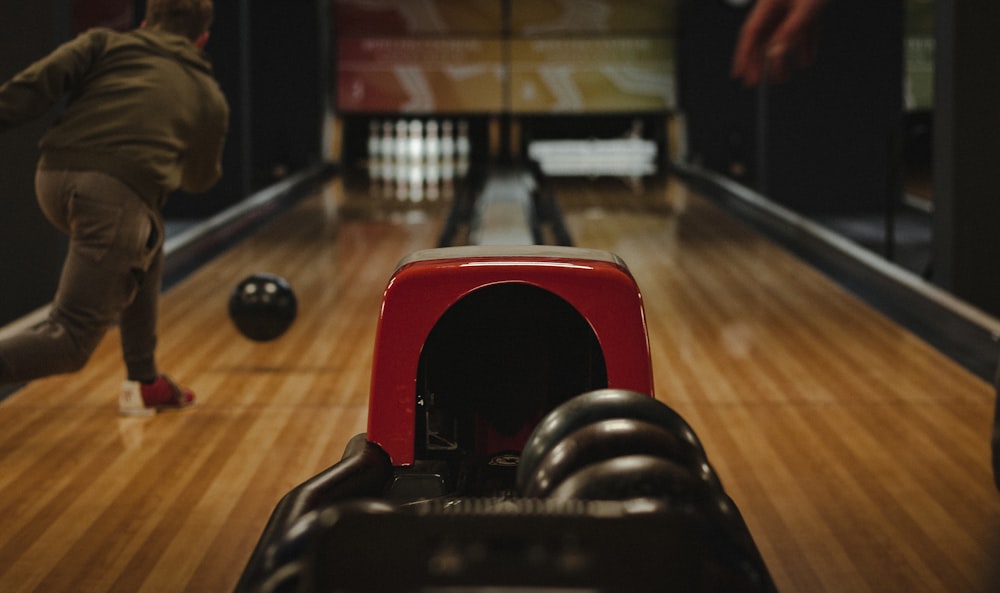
(858, 454)
(94, 502)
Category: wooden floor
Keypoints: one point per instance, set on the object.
(858, 455)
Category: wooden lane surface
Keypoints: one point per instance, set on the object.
(858, 455)
(93, 502)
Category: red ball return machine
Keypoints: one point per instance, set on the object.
(513, 444)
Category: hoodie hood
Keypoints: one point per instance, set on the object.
(177, 46)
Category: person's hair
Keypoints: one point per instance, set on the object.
(189, 18)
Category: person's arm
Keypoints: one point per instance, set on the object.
(34, 90)
(202, 166)
(777, 37)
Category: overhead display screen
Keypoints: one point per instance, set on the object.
(420, 75)
(570, 17)
(418, 17)
(516, 56)
(592, 75)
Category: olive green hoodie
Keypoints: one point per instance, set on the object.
(143, 107)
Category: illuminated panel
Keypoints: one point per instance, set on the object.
(587, 75)
(419, 75)
(404, 17)
(561, 17)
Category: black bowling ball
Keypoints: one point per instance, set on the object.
(262, 307)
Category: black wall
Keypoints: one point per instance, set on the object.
(31, 252)
(718, 112)
(966, 152)
(821, 142)
(288, 85)
(269, 58)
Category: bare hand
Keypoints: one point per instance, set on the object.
(778, 37)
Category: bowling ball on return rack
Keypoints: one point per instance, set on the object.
(262, 307)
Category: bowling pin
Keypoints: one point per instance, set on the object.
(432, 144)
(402, 135)
(373, 163)
(416, 140)
(415, 183)
(385, 175)
(462, 146)
(448, 177)
(401, 177)
(374, 141)
(433, 174)
(387, 151)
(447, 139)
(462, 149)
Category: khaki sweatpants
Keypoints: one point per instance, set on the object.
(112, 274)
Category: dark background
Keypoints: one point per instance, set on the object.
(828, 141)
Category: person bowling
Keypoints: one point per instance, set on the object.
(145, 116)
